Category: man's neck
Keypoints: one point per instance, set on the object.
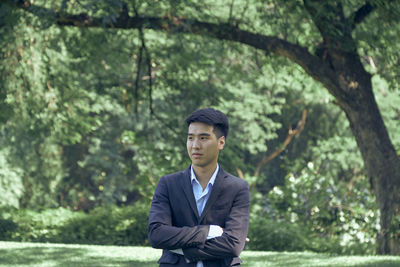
(203, 174)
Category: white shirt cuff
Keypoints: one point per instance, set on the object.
(215, 231)
(177, 251)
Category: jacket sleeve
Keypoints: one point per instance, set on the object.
(162, 234)
(232, 241)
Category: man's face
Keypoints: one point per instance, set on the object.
(202, 145)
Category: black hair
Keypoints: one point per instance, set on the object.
(212, 117)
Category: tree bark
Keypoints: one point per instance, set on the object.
(383, 167)
(381, 162)
(379, 155)
(355, 96)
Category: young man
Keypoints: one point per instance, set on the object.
(200, 216)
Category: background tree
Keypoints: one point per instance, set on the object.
(331, 42)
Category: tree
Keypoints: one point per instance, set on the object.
(327, 39)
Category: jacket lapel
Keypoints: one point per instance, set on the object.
(187, 189)
(216, 189)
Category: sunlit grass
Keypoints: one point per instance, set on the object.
(39, 254)
(310, 259)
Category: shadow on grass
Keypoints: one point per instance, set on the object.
(62, 256)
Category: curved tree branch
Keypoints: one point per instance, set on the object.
(138, 71)
(313, 65)
(362, 13)
(329, 18)
(291, 133)
(359, 16)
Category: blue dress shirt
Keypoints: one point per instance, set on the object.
(201, 196)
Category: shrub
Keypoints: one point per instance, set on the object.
(109, 226)
(103, 225)
(33, 226)
(7, 227)
(266, 234)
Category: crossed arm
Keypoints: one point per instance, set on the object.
(232, 241)
(193, 240)
(162, 234)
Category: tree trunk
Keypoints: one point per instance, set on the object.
(352, 89)
(380, 159)
(382, 165)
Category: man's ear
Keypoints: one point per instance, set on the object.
(221, 142)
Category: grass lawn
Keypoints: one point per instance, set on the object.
(39, 254)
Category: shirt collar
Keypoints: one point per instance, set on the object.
(213, 176)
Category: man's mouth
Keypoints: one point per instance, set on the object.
(196, 155)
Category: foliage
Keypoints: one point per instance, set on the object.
(11, 187)
(340, 215)
(7, 227)
(388, 98)
(108, 226)
(103, 225)
(32, 226)
(85, 123)
(323, 202)
(87, 132)
(272, 235)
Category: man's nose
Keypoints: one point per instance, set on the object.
(195, 143)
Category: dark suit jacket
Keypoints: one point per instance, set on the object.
(174, 221)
